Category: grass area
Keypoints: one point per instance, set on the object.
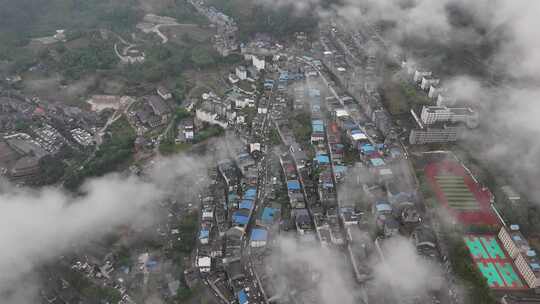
(253, 17)
(25, 19)
(187, 33)
(185, 243)
(301, 127)
(173, 148)
(457, 193)
(394, 98)
(249, 114)
(97, 55)
(178, 9)
(350, 155)
(275, 140)
(208, 132)
(168, 144)
(413, 96)
(93, 293)
(210, 79)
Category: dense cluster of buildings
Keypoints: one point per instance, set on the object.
(32, 128)
(237, 222)
(225, 40)
(154, 112)
(387, 190)
(438, 123)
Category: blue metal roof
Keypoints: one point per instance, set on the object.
(345, 209)
(240, 217)
(240, 220)
(268, 215)
(349, 125)
(318, 128)
(317, 122)
(383, 207)
(366, 148)
(243, 156)
(323, 159)
(377, 162)
(203, 234)
(293, 185)
(314, 93)
(259, 234)
(328, 185)
(251, 193)
(340, 169)
(232, 197)
(246, 204)
(242, 297)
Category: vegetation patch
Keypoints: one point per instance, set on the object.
(116, 149)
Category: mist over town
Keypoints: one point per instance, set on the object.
(269, 151)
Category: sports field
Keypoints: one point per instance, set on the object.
(493, 262)
(457, 190)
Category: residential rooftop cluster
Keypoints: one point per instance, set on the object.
(33, 128)
(225, 40)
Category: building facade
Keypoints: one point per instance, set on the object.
(429, 134)
(434, 114)
(258, 63)
(525, 259)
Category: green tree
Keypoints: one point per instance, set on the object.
(116, 149)
(201, 57)
(52, 169)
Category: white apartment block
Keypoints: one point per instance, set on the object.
(434, 114)
(510, 240)
(258, 63)
(419, 74)
(427, 82)
(241, 72)
(444, 133)
(434, 91)
(525, 259)
(529, 268)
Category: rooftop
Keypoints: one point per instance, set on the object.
(259, 234)
(293, 185)
(158, 105)
(246, 204)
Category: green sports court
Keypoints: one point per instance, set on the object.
(493, 262)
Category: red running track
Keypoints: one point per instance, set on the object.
(482, 216)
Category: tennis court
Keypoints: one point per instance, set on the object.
(493, 262)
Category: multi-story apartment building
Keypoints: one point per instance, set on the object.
(525, 259)
(446, 132)
(427, 82)
(434, 114)
(418, 75)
